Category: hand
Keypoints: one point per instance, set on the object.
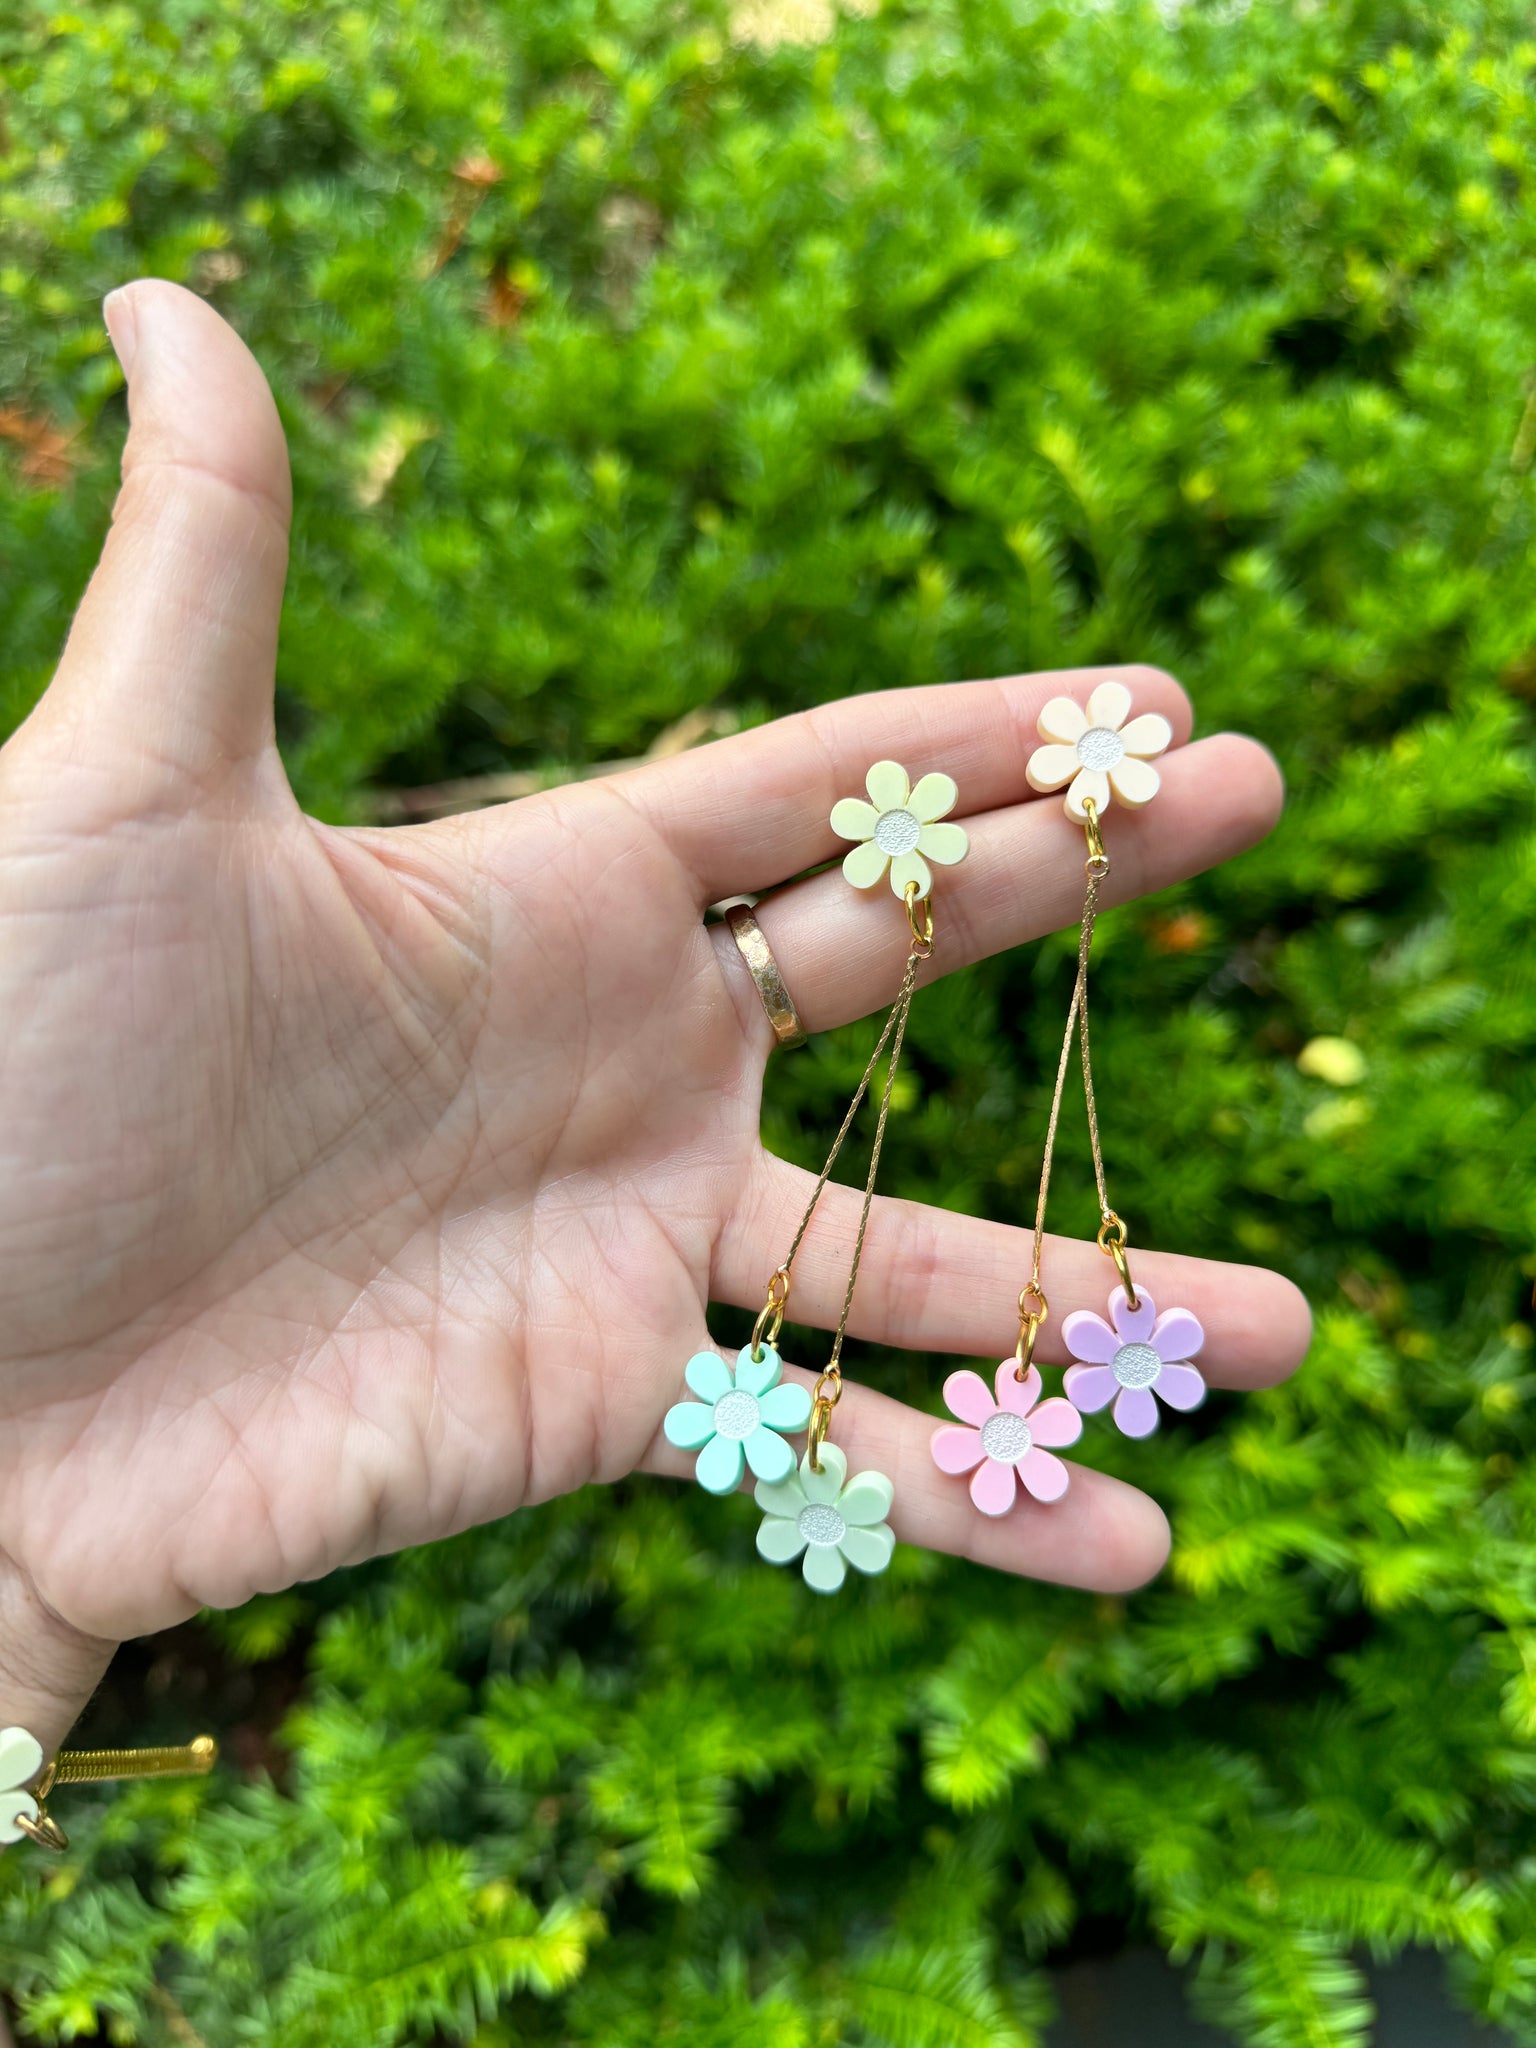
(363, 1185)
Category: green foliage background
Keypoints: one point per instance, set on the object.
(633, 365)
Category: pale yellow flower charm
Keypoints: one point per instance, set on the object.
(899, 828)
(1097, 752)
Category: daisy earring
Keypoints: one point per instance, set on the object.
(740, 1415)
(1103, 755)
(1100, 755)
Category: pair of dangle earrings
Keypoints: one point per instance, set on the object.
(741, 1416)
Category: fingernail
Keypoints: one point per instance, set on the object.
(122, 328)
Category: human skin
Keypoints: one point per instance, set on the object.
(359, 1186)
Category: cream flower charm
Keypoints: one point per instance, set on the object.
(21, 1758)
(899, 827)
(835, 1520)
(1096, 752)
(737, 1417)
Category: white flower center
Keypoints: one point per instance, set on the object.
(1005, 1437)
(1100, 747)
(1136, 1365)
(736, 1415)
(822, 1526)
(896, 831)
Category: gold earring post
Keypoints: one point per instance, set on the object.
(193, 1759)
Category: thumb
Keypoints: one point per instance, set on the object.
(170, 661)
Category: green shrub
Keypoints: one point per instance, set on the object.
(633, 367)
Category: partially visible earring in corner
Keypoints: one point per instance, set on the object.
(24, 1812)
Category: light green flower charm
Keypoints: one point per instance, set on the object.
(898, 829)
(735, 1419)
(835, 1520)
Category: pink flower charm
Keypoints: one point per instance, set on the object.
(1144, 1352)
(1005, 1439)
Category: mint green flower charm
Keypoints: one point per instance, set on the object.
(835, 1520)
(737, 1417)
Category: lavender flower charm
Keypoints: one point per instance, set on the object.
(1144, 1359)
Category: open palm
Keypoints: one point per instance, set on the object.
(363, 1185)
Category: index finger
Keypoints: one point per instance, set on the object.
(744, 813)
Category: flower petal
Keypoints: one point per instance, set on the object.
(944, 843)
(965, 1395)
(708, 1376)
(720, 1464)
(1136, 1411)
(933, 796)
(757, 1375)
(868, 1549)
(864, 865)
(828, 1483)
(1176, 1336)
(1050, 767)
(1012, 1392)
(1089, 787)
(689, 1425)
(1042, 1475)
(787, 1407)
(1134, 782)
(11, 1804)
(1056, 1423)
(768, 1455)
(1147, 736)
(783, 1497)
(1063, 720)
(957, 1450)
(1090, 1387)
(852, 818)
(1132, 1325)
(888, 785)
(1109, 705)
(994, 1488)
(779, 1540)
(911, 867)
(866, 1499)
(1089, 1338)
(824, 1570)
(21, 1757)
(1181, 1386)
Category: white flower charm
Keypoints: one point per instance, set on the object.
(736, 1418)
(1096, 751)
(899, 827)
(21, 1758)
(835, 1520)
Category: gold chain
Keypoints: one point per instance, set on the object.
(829, 1383)
(1112, 1235)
